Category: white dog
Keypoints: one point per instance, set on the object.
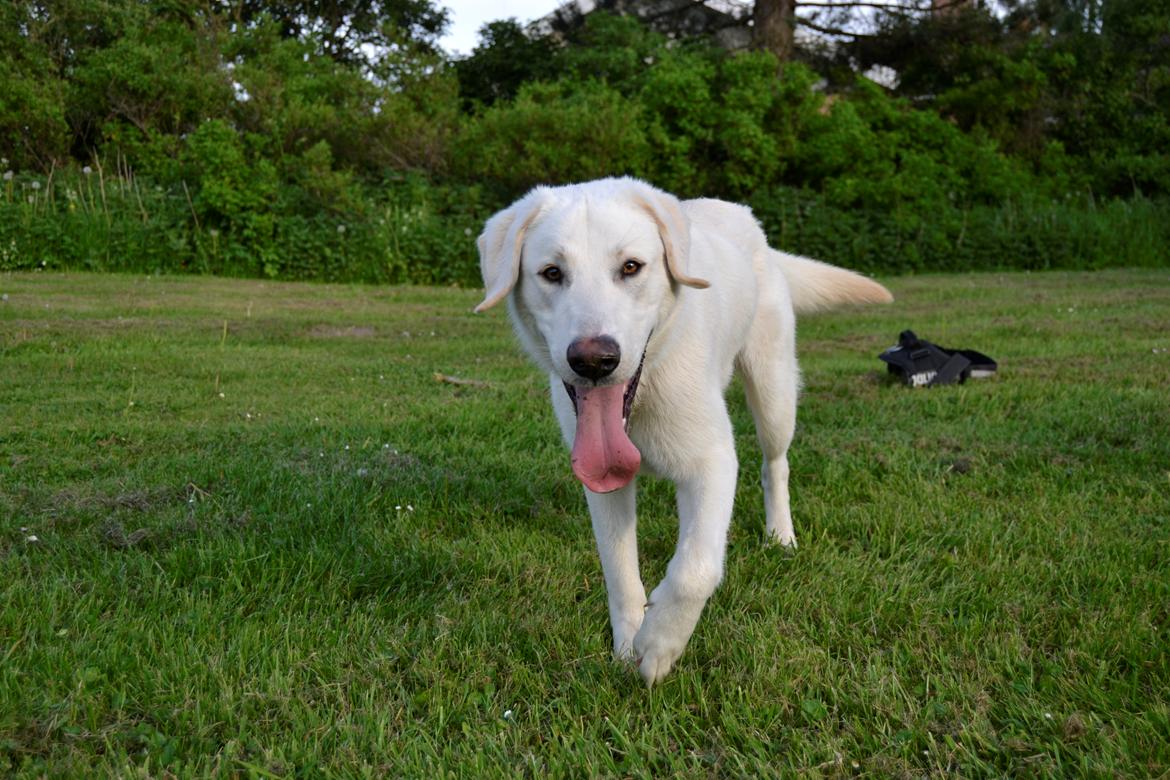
(639, 307)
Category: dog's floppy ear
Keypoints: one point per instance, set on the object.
(675, 230)
(500, 246)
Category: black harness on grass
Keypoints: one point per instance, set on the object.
(919, 363)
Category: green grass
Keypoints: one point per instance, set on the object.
(270, 543)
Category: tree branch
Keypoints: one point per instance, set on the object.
(901, 10)
(831, 30)
(678, 9)
(882, 6)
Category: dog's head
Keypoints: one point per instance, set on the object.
(590, 271)
(588, 268)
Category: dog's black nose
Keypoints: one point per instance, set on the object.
(594, 358)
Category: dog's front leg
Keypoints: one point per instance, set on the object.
(704, 508)
(615, 527)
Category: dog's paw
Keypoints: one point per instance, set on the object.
(655, 663)
(785, 539)
(664, 634)
(625, 628)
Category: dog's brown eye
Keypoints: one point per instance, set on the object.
(631, 267)
(551, 273)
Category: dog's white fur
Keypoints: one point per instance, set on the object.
(710, 299)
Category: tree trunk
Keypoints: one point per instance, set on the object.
(773, 22)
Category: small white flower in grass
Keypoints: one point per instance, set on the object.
(1048, 716)
(247, 415)
(36, 185)
(341, 230)
(221, 395)
(87, 170)
(467, 231)
(508, 715)
(23, 529)
(385, 446)
(8, 175)
(363, 472)
(409, 508)
(398, 507)
(347, 446)
(213, 233)
(32, 539)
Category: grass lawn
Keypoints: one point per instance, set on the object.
(245, 531)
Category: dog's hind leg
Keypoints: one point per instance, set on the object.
(771, 383)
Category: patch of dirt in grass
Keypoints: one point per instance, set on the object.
(342, 331)
(120, 515)
(1074, 727)
(174, 515)
(24, 742)
(364, 463)
(87, 326)
(73, 499)
(115, 535)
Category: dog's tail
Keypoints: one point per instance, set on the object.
(816, 286)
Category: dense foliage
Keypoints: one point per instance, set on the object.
(334, 140)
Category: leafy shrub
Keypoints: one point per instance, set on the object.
(553, 133)
(33, 128)
(401, 231)
(505, 59)
(159, 79)
(1027, 234)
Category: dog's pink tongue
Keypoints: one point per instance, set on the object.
(604, 458)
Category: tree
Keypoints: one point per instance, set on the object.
(349, 31)
(773, 26)
(505, 58)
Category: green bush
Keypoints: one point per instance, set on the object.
(33, 128)
(1027, 234)
(401, 231)
(553, 133)
(93, 222)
